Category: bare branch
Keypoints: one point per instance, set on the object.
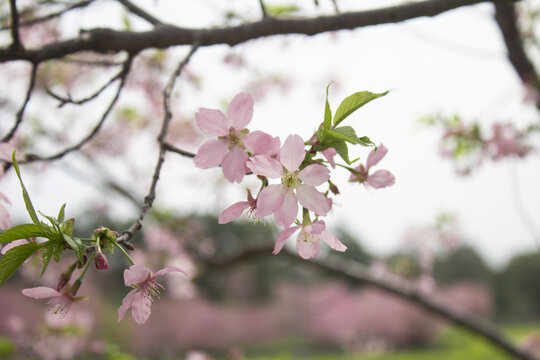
(359, 274)
(174, 149)
(51, 15)
(69, 100)
(263, 9)
(123, 77)
(16, 40)
(149, 199)
(164, 36)
(505, 15)
(20, 113)
(140, 12)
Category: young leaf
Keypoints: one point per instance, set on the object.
(327, 111)
(366, 141)
(341, 148)
(74, 246)
(23, 231)
(61, 214)
(14, 258)
(26, 197)
(58, 249)
(46, 257)
(354, 102)
(67, 227)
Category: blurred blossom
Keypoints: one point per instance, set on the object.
(197, 355)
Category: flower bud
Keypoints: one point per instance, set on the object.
(101, 262)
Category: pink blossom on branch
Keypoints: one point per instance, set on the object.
(236, 209)
(145, 288)
(378, 179)
(233, 139)
(296, 185)
(307, 241)
(60, 301)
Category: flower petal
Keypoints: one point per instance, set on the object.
(314, 174)
(41, 292)
(332, 241)
(286, 214)
(269, 200)
(12, 244)
(211, 154)
(265, 166)
(140, 307)
(292, 153)
(126, 304)
(212, 122)
(329, 155)
(313, 200)
(315, 228)
(233, 212)
(282, 238)
(234, 164)
(260, 143)
(167, 270)
(307, 245)
(240, 110)
(4, 198)
(136, 274)
(5, 220)
(376, 155)
(380, 179)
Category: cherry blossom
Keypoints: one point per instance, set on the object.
(233, 139)
(378, 179)
(307, 241)
(145, 288)
(60, 301)
(5, 220)
(507, 141)
(296, 185)
(236, 209)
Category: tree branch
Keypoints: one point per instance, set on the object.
(69, 100)
(123, 76)
(149, 198)
(358, 274)
(505, 16)
(20, 114)
(140, 12)
(16, 40)
(164, 36)
(174, 149)
(52, 15)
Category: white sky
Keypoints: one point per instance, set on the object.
(453, 63)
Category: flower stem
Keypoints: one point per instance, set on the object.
(124, 252)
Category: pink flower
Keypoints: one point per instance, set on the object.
(507, 141)
(236, 209)
(233, 139)
(60, 301)
(296, 186)
(380, 178)
(329, 155)
(145, 288)
(307, 241)
(5, 220)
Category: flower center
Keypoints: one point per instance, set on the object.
(235, 138)
(291, 180)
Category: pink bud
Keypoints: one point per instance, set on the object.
(101, 261)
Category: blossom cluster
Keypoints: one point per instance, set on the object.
(298, 173)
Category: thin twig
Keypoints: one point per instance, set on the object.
(174, 149)
(69, 100)
(100, 63)
(16, 40)
(140, 12)
(356, 273)
(52, 15)
(263, 9)
(20, 114)
(123, 77)
(149, 198)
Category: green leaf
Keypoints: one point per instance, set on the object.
(26, 197)
(46, 257)
(365, 141)
(342, 150)
(327, 111)
(61, 214)
(23, 231)
(14, 258)
(353, 103)
(52, 220)
(67, 227)
(277, 10)
(74, 246)
(58, 250)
